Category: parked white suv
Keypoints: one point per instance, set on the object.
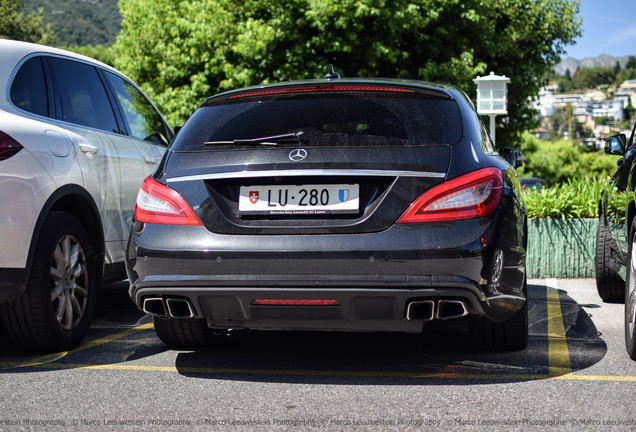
(77, 139)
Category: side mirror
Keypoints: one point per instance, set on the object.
(615, 144)
(513, 156)
(177, 129)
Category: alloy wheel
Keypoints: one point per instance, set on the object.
(69, 282)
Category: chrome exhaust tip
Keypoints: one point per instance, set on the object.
(155, 306)
(449, 309)
(423, 310)
(180, 308)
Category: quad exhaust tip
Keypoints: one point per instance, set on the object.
(169, 307)
(155, 306)
(421, 310)
(449, 309)
(426, 310)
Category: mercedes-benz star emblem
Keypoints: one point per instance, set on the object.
(298, 155)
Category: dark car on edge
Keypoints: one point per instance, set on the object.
(335, 204)
(615, 261)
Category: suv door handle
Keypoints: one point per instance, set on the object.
(88, 148)
(150, 161)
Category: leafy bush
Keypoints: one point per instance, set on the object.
(101, 53)
(561, 160)
(576, 198)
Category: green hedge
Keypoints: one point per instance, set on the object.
(575, 199)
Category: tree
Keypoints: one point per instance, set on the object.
(628, 114)
(15, 25)
(593, 77)
(183, 50)
(98, 52)
(80, 22)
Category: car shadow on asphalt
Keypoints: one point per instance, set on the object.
(440, 355)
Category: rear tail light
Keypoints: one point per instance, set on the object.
(8, 146)
(157, 203)
(473, 195)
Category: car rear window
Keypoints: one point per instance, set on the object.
(340, 118)
(28, 90)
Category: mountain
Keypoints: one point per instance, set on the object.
(79, 22)
(603, 60)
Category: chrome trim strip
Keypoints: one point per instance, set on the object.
(306, 172)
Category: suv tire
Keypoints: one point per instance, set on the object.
(186, 332)
(630, 296)
(509, 335)
(55, 310)
(609, 284)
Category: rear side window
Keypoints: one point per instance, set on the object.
(328, 119)
(144, 122)
(83, 98)
(28, 90)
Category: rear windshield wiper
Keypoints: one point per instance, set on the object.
(270, 140)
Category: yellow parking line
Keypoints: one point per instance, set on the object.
(56, 356)
(558, 354)
(573, 377)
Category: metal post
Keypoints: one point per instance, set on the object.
(492, 129)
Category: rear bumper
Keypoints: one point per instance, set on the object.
(374, 278)
(352, 309)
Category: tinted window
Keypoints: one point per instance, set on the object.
(144, 122)
(82, 95)
(338, 119)
(486, 143)
(28, 90)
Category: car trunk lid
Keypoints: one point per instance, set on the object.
(331, 190)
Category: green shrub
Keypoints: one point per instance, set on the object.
(575, 198)
(101, 53)
(560, 160)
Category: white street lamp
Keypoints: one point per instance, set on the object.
(492, 97)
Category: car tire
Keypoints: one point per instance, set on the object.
(55, 310)
(186, 332)
(509, 335)
(630, 296)
(609, 284)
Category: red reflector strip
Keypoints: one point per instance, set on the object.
(322, 89)
(295, 302)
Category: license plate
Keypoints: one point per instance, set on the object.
(299, 199)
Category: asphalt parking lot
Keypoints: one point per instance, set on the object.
(575, 373)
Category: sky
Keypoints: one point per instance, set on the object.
(609, 27)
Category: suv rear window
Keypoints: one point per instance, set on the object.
(342, 118)
(28, 90)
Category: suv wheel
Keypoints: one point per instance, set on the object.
(630, 296)
(609, 284)
(509, 335)
(186, 332)
(55, 310)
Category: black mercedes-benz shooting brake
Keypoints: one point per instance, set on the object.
(345, 204)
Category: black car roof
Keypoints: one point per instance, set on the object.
(423, 87)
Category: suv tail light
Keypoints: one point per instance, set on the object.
(8, 146)
(469, 196)
(157, 203)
